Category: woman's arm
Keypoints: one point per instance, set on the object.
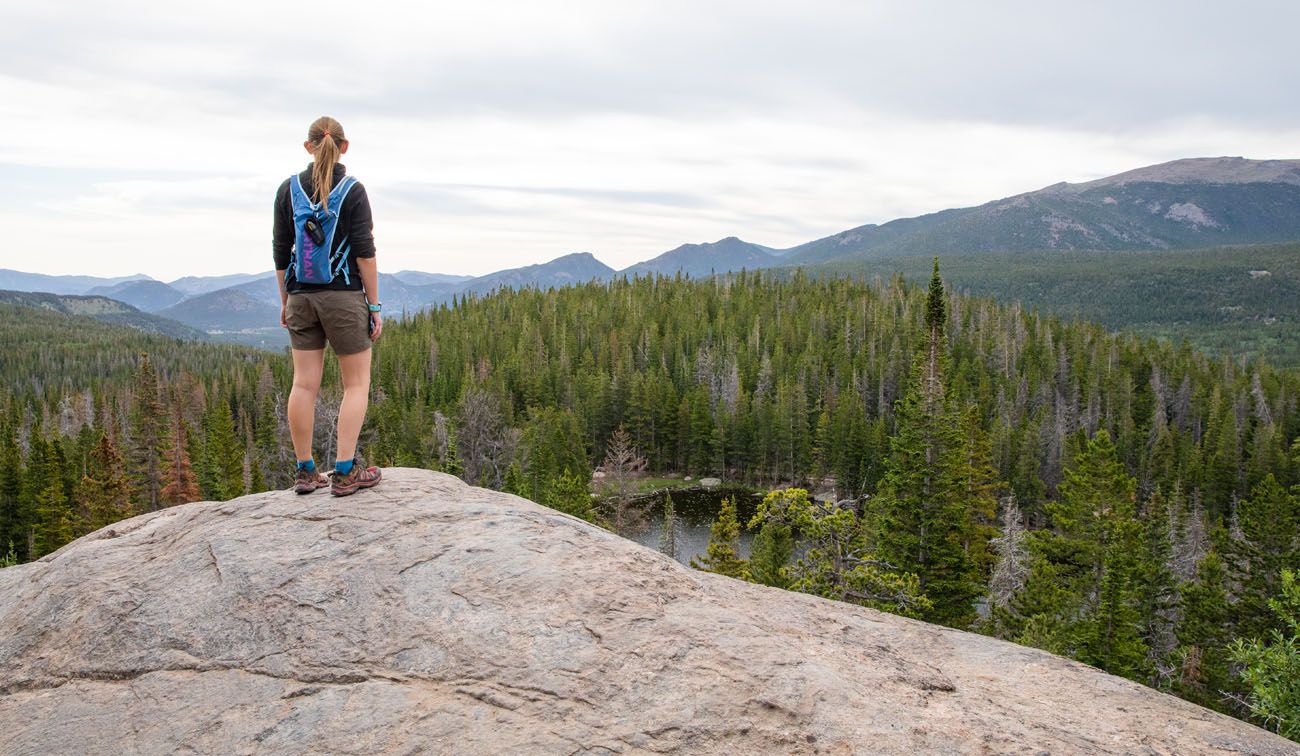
(282, 244)
(361, 236)
(284, 298)
(369, 271)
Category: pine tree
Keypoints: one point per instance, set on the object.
(723, 555)
(451, 460)
(1269, 528)
(1096, 516)
(555, 447)
(978, 486)
(1222, 472)
(53, 516)
(770, 555)
(148, 421)
(1267, 454)
(180, 486)
(852, 452)
(923, 523)
(104, 493)
(222, 472)
(569, 493)
(1111, 636)
(1157, 590)
(15, 522)
(1041, 614)
(35, 482)
(273, 458)
(838, 562)
(1272, 668)
(514, 480)
(1082, 597)
(1095, 492)
(823, 446)
(1203, 673)
(668, 540)
(703, 435)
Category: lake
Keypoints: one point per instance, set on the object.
(696, 509)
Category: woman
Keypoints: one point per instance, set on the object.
(324, 250)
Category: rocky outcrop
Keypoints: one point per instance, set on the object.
(427, 616)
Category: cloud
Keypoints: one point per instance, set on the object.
(669, 199)
(492, 134)
(1103, 64)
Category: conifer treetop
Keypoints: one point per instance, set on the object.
(936, 307)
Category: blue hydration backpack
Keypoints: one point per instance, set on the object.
(314, 234)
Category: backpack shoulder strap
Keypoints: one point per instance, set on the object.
(344, 187)
(338, 194)
(298, 196)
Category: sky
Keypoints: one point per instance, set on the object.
(150, 137)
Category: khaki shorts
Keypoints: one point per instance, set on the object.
(339, 317)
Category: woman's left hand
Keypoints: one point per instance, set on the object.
(376, 325)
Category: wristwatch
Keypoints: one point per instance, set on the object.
(375, 306)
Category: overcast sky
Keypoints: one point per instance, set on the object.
(149, 137)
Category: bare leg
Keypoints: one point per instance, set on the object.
(307, 367)
(356, 395)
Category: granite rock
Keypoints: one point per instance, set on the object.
(428, 616)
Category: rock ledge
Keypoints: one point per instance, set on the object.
(429, 616)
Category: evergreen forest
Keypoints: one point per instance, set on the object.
(1238, 301)
(1127, 502)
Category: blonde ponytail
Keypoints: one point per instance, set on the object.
(325, 135)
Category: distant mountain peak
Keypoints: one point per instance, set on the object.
(223, 310)
(1206, 170)
(145, 294)
(575, 257)
(1181, 204)
(575, 267)
(724, 255)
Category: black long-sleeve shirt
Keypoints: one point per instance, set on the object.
(355, 224)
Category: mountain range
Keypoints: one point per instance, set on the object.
(721, 256)
(1185, 204)
(104, 309)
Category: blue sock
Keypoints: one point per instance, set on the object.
(343, 468)
(309, 465)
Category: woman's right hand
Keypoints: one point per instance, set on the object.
(284, 316)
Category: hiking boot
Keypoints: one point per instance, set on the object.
(307, 481)
(358, 478)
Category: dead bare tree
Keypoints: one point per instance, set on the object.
(327, 421)
(1012, 568)
(442, 438)
(1188, 537)
(485, 445)
(622, 465)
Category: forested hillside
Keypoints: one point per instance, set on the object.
(1109, 497)
(1238, 301)
(1182, 204)
(103, 309)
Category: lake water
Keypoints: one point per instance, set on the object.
(696, 509)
